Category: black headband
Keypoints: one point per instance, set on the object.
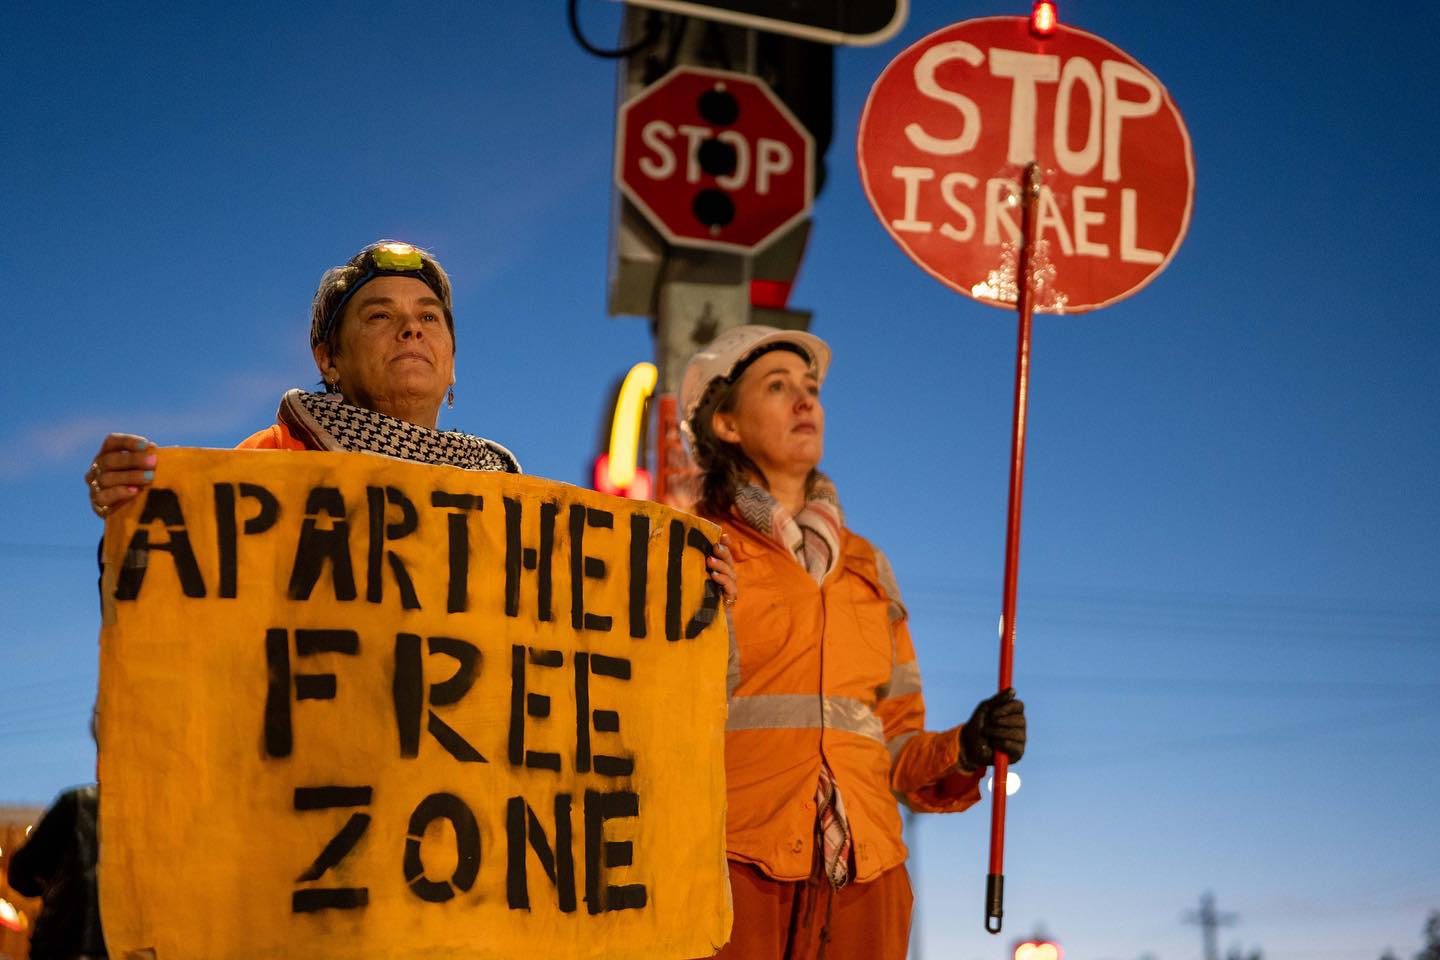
(333, 318)
(744, 365)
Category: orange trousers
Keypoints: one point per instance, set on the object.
(790, 920)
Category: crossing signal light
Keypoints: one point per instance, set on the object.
(639, 488)
(1043, 18)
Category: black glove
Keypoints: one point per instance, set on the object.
(998, 723)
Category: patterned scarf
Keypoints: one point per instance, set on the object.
(813, 538)
(324, 421)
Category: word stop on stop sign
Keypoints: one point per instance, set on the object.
(705, 150)
(954, 119)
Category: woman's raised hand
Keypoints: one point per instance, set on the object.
(124, 464)
(722, 570)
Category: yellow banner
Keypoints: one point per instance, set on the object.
(356, 707)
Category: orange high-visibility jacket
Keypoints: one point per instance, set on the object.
(824, 670)
(277, 436)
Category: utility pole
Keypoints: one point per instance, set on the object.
(1210, 921)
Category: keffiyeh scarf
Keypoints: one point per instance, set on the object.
(324, 421)
(813, 538)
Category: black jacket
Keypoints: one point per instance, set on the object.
(57, 863)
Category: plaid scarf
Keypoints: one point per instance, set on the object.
(324, 421)
(812, 537)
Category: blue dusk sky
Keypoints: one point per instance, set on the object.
(1229, 614)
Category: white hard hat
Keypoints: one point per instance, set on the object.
(718, 359)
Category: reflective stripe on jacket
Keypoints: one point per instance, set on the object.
(823, 670)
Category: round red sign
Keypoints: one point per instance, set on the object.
(714, 159)
(951, 124)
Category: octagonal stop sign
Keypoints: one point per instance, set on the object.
(953, 121)
(714, 159)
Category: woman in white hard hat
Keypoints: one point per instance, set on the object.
(826, 723)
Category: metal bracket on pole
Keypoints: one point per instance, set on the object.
(701, 293)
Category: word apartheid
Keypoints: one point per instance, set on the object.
(352, 706)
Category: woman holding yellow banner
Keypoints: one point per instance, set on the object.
(383, 337)
(826, 723)
(382, 333)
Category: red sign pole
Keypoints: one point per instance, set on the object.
(933, 179)
(1025, 290)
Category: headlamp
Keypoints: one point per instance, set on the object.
(392, 259)
(397, 257)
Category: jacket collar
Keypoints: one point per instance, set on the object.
(748, 541)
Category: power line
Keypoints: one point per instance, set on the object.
(1428, 691)
(1207, 603)
(20, 549)
(1161, 623)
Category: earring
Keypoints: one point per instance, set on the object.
(332, 387)
(451, 401)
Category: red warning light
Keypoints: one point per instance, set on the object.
(638, 489)
(1043, 18)
(1038, 950)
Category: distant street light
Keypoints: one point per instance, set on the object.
(1038, 950)
(1012, 783)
